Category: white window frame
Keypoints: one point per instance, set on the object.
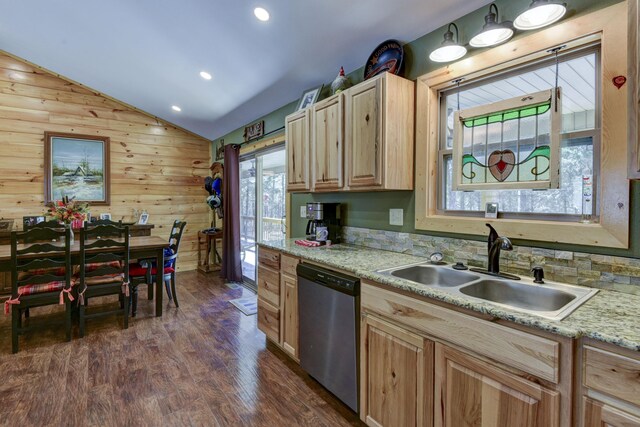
(612, 229)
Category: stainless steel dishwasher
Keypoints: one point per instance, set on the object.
(329, 311)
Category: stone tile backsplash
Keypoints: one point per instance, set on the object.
(578, 268)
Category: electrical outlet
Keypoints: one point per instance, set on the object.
(396, 217)
(303, 211)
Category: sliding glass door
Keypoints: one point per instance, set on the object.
(262, 204)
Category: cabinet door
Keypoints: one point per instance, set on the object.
(326, 142)
(269, 320)
(297, 146)
(597, 414)
(364, 139)
(396, 375)
(289, 322)
(470, 392)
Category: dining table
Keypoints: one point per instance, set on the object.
(142, 247)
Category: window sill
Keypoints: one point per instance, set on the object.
(546, 231)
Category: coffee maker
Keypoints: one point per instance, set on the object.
(324, 222)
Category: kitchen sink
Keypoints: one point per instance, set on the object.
(519, 295)
(434, 276)
(550, 300)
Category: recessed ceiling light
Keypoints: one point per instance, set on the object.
(261, 13)
(205, 75)
(176, 108)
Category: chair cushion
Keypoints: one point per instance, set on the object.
(56, 271)
(94, 266)
(136, 270)
(107, 278)
(41, 288)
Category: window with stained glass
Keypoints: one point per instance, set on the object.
(578, 142)
(508, 144)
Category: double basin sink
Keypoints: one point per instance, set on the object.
(550, 300)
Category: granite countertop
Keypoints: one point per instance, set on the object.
(609, 316)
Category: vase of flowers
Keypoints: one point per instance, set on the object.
(67, 211)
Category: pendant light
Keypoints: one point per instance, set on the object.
(492, 33)
(540, 14)
(449, 50)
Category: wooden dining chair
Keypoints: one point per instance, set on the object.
(41, 275)
(147, 275)
(104, 269)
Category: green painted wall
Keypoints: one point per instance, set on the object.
(371, 210)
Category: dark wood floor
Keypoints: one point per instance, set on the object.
(202, 364)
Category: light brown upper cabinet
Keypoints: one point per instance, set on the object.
(327, 150)
(361, 139)
(379, 134)
(297, 143)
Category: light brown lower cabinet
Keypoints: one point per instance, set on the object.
(598, 414)
(471, 392)
(289, 322)
(269, 320)
(396, 375)
(278, 298)
(611, 380)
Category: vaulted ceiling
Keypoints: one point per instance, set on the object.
(149, 53)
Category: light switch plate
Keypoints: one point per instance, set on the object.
(303, 211)
(396, 217)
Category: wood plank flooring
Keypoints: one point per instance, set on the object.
(204, 364)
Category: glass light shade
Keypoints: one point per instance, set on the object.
(448, 53)
(539, 14)
(261, 13)
(491, 37)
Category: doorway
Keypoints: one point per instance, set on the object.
(262, 204)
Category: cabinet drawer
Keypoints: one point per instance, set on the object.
(612, 374)
(527, 352)
(269, 285)
(269, 320)
(269, 258)
(288, 265)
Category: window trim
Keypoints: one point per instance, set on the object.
(612, 230)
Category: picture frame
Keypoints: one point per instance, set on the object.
(144, 218)
(309, 97)
(105, 216)
(28, 221)
(220, 151)
(491, 210)
(77, 166)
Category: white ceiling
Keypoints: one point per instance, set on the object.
(149, 53)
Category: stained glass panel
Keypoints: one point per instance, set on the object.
(508, 144)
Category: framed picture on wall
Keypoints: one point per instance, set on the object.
(220, 150)
(309, 97)
(76, 166)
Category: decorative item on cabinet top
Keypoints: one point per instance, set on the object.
(340, 83)
(309, 97)
(387, 56)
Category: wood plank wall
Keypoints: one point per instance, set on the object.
(154, 166)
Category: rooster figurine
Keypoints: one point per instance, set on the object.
(340, 83)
